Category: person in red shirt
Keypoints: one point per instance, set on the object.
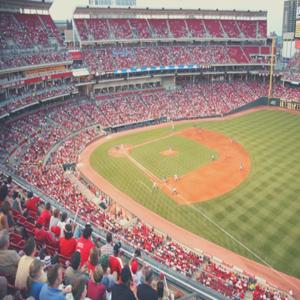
(67, 244)
(93, 260)
(115, 262)
(84, 244)
(40, 234)
(95, 289)
(45, 216)
(32, 202)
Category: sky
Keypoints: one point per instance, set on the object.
(62, 9)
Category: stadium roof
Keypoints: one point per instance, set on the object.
(119, 12)
(11, 5)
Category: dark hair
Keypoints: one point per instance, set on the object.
(29, 246)
(126, 275)
(34, 271)
(55, 212)
(63, 217)
(94, 257)
(15, 195)
(78, 287)
(29, 194)
(137, 252)
(160, 289)
(87, 232)
(117, 247)
(52, 274)
(5, 208)
(75, 260)
(68, 231)
(108, 237)
(9, 180)
(148, 274)
(48, 206)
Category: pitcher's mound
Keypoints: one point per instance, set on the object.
(169, 152)
(120, 150)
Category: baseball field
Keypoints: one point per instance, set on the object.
(234, 182)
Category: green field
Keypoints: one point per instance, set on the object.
(262, 213)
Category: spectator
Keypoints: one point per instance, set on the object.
(54, 218)
(145, 290)
(96, 289)
(32, 202)
(73, 270)
(160, 289)
(67, 244)
(35, 281)
(115, 262)
(50, 291)
(107, 249)
(24, 264)
(122, 290)
(62, 223)
(108, 279)
(93, 260)
(44, 218)
(3, 287)
(17, 205)
(9, 259)
(84, 244)
(134, 267)
(4, 215)
(79, 289)
(4, 188)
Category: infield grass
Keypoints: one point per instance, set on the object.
(262, 213)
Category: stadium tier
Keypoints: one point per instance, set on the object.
(139, 67)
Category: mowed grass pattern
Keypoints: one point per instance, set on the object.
(262, 213)
(190, 155)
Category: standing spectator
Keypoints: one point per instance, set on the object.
(67, 244)
(32, 203)
(134, 267)
(73, 270)
(79, 289)
(54, 218)
(145, 291)
(4, 215)
(108, 279)
(115, 262)
(35, 281)
(9, 259)
(62, 223)
(160, 289)
(122, 290)
(84, 244)
(107, 249)
(44, 218)
(96, 289)
(17, 205)
(24, 264)
(4, 188)
(93, 260)
(50, 291)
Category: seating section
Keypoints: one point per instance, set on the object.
(107, 29)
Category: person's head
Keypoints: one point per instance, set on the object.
(117, 248)
(75, 260)
(148, 274)
(79, 290)
(55, 213)
(126, 276)
(98, 274)
(4, 239)
(5, 208)
(55, 275)
(29, 247)
(68, 232)
(160, 289)
(137, 253)
(87, 232)
(15, 195)
(94, 257)
(64, 217)
(35, 271)
(29, 195)
(108, 238)
(104, 262)
(48, 206)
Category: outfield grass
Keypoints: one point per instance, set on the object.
(262, 213)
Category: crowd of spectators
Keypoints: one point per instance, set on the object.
(108, 29)
(109, 59)
(292, 72)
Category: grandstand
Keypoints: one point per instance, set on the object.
(127, 68)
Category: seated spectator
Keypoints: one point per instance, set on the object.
(145, 291)
(44, 218)
(54, 218)
(36, 278)
(122, 290)
(79, 289)
(67, 244)
(55, 278)
(96, 289)
(73, 270)
(107, 249)
(24, 264)
(115, 262)
(108, 279)
(9, 259)
(32, 202)
(84, 244)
